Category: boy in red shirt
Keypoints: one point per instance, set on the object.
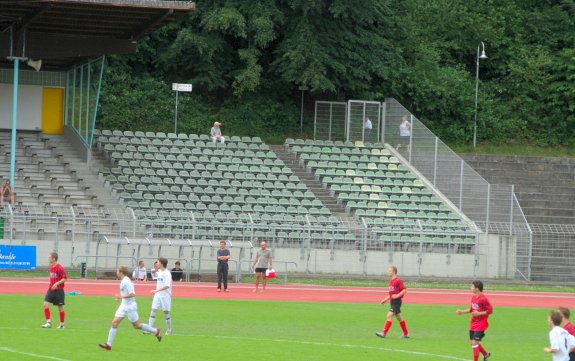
(396, 292)
(55, 294)
(480, 310)
(569, 327)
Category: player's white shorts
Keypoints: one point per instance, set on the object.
(162, 302)
(131, 312)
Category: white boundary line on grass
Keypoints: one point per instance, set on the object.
(6, 349)
(419, 353)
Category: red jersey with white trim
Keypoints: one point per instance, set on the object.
(57, 273)
(569, 327)
(480, 303)
(396, 286)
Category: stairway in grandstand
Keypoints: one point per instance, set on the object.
(185, 186)
(53, 181)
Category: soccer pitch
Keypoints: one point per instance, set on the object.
(264, 330)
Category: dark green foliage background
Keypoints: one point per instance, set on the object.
(246, 60)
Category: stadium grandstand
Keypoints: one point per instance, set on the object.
(338, 204)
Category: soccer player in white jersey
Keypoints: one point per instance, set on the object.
(128, 308)
(162, 294)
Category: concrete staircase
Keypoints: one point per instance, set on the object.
(545, 187)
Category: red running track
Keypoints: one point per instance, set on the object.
(302, 293)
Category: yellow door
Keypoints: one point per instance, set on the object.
(53, 110)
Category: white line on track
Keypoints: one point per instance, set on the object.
(344, 345)
(7, 349)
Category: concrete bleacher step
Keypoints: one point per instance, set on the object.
(545, 187)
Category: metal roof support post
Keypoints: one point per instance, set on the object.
(16, 61)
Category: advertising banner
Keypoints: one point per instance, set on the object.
(17, 257)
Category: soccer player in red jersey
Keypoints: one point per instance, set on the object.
(569, 327)
(55, 294)
(396, 292)
(480, 310)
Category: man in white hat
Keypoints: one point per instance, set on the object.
(216, 133)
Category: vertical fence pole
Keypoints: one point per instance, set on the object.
(511, 211)
(315, 123)
(461, 185)
(435, 161)
(383, 115)
(411, 139)
(488, 205)
(330, 119)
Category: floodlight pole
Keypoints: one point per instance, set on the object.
(482, 56)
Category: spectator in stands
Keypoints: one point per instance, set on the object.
(367, 126)
(140, 273)
(223, 257)
(216, 133)
(404, 133)
(6, 189)
(177, 273)
(154, 271)
(261, 264)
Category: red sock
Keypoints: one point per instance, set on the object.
(47, 314)
(386, 327)
(403, 327)
(482, 350)
(475, 353)
(62, 314)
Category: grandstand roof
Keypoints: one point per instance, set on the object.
(64, 33)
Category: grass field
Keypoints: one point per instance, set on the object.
(261, 330)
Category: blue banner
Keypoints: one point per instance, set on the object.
(17, 257)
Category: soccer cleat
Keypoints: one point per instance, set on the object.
(404, 336)
(380, 334)
(158, 334)
(105, 346)
(47, 325)
(486, 357)
(61, 326)
(169, 333)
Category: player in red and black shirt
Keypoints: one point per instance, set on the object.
(480, 310)
(569, 327)
(396, 292)
(55, 294)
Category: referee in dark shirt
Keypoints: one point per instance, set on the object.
(223, 257)
(177, 273)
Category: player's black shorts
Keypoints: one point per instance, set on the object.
(55, 297)
(395, 306)
(476, 335)
(262, 270)
(571, 356)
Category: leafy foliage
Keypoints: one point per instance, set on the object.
(248, 59)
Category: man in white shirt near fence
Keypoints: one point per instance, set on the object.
(162, 294)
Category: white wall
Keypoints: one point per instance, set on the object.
(29, 107)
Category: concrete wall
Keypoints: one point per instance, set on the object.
(496, 259)
(29, 107)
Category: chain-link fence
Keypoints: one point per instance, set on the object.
(553, 252)
(363, 121)
(329, 122)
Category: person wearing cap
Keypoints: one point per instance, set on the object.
(216, 133)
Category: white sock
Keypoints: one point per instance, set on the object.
(168, 319)
(152, 319)
(112, 335)
(148, 328)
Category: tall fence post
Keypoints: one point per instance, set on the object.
(330, 120)
(383, 115)
(511, 211)
(315, 122)
(410, 139)
(435, 161)
(461, 184)
(487, 209)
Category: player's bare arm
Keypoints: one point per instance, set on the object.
(549, 350)
(55, 286)
(461, 312)
(479, 313)
(385, 300)
(399, 295)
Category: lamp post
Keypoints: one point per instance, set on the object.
(482, 56)
(303, 88)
